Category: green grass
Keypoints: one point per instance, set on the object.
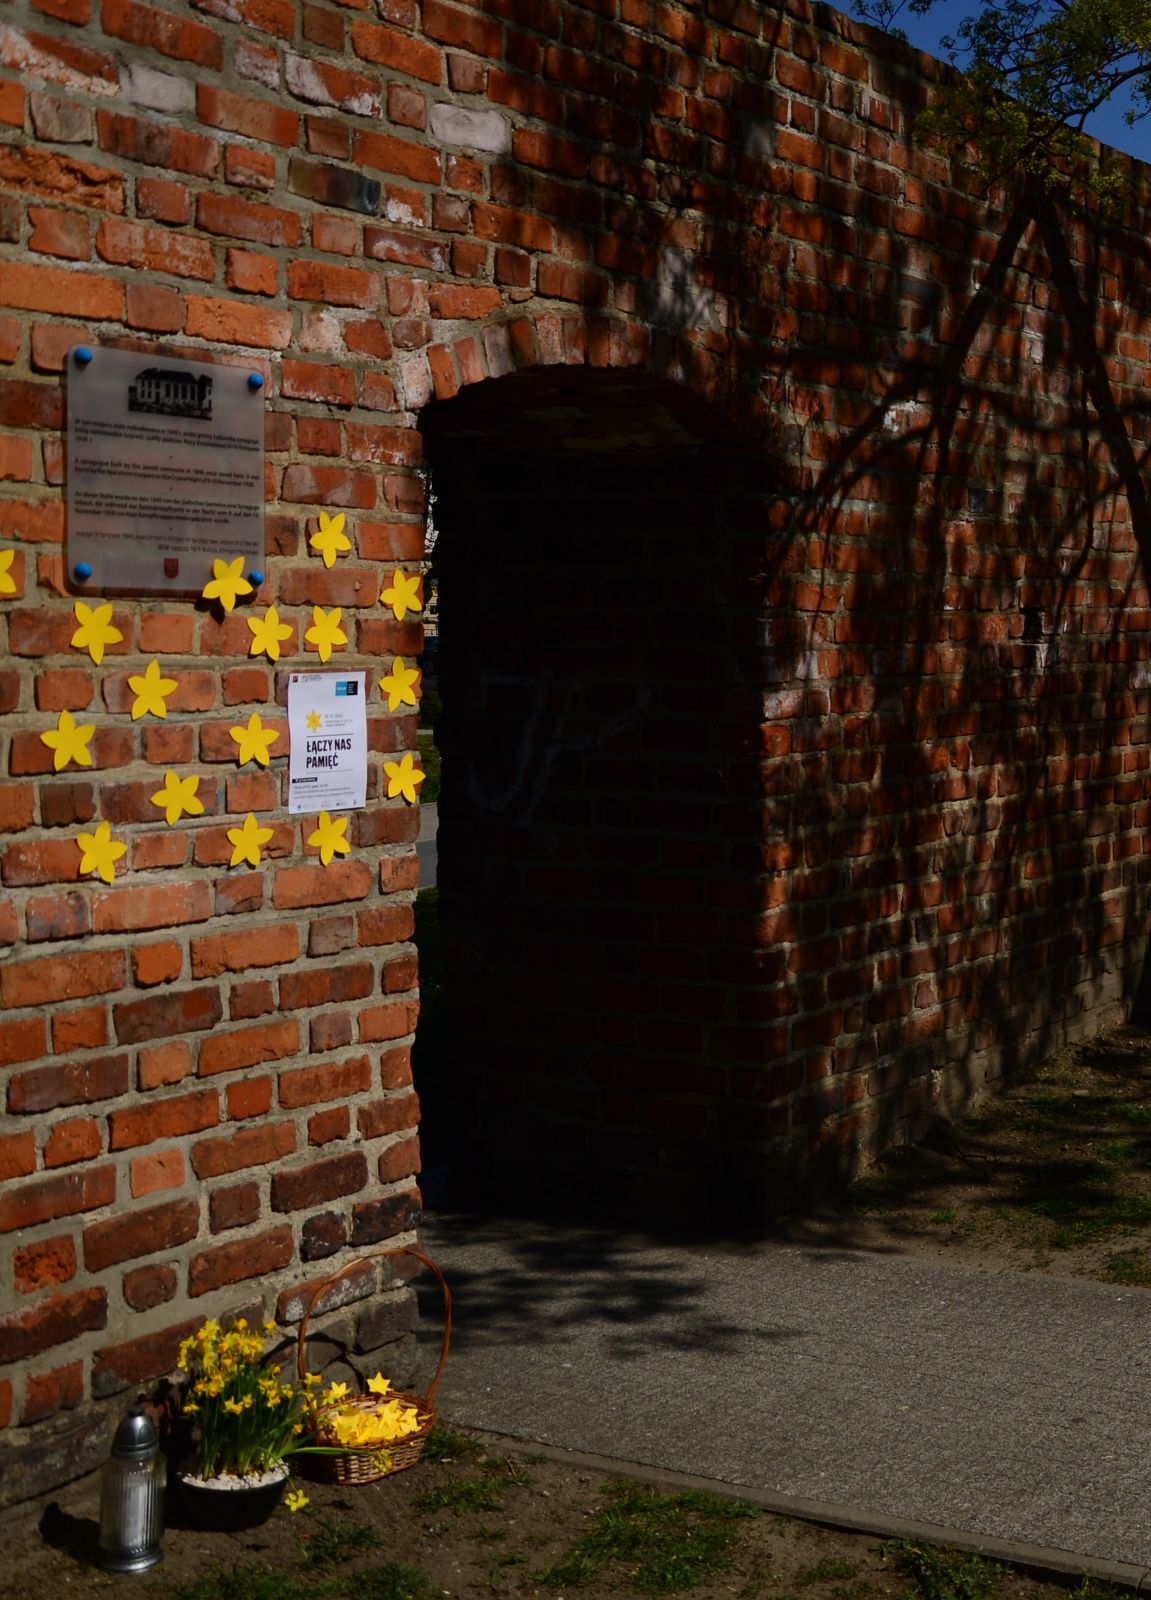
(431, 707)
(445, 1444)
(242, 1583)
(393, 1580)
(331, 1540)
(1128, 1266)
(824, 1571)
(943, 1574)
(430, 762)
(388, 1580)
(667, 1542)
(462, 1494)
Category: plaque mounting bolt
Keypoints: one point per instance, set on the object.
(82, 355)
(256, 577)
(255, 381)
(82, 571)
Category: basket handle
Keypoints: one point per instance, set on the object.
(359, 1261)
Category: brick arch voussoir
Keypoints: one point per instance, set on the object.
(576, 338)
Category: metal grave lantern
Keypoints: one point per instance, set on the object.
(132, 1497)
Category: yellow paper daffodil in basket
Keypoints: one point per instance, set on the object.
(362, 1437)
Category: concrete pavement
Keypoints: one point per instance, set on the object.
(1007, 1412)
(426, 844)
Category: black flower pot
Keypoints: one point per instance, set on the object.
(228, 1505)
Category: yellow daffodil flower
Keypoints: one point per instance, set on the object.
(95, 631)
(227, 583)
(400, 684)
(254, 740)
(404, 777)
(330, 837)
(325, 632)
(69, 741)
(177, 797)
(403, 594)
(331, 540)
(247, 841)
(151, 692)
(267, 633)
(99, 852)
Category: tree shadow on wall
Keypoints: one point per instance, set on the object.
(949, 706)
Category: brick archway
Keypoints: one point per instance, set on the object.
(601, 697)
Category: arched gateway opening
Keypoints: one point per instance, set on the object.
(600, 860)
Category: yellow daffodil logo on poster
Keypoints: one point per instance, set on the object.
(69, 742)
(247, 841)
(227, 583)
(268, 632)
(254, 740)
(96, 631)
(99, 852)
(404, 777)
(331, 540)
(177, 797)
(315, 721)
(7, 581)
(330, 837)
(400, 684)
(403, 594)
(151, 692)
(325, 632)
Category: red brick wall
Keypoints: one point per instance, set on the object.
(928, 625)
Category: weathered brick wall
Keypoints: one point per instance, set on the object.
(922, 718)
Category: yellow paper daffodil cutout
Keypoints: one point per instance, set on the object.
(296, 1500)
(254, 740)
(315, 721)
(400, 684)
(177, 797)
(325, 632)
(99, 852)
(267, 631)
(403, 594)
(151, 692)
(7, 582)
(69, 742)
(227, 583)
(404, 777)
(331, 540)
(95, 630)
(379, 1384)
(330, 837)
(247, 841)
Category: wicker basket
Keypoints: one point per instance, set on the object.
(361, 1466)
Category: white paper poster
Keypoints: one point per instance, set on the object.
(328, 731)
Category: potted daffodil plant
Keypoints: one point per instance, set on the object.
(247, 1419)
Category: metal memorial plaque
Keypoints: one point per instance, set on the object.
(165, 471)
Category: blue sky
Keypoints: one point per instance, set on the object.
(946, 16)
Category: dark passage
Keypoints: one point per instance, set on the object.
(593, 1048)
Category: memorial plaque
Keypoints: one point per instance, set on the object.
(165, 471)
